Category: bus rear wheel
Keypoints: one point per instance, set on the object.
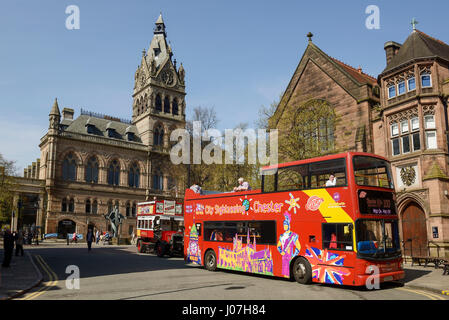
(302, 271)
(210, 260)
(160, 249)
(139, 246)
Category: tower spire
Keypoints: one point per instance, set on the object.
(160, 26)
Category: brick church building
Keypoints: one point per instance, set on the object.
(401, 115)
(91, 163)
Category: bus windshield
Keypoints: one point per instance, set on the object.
(373, 172)
(377, 238)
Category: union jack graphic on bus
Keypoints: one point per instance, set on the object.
(327, 267)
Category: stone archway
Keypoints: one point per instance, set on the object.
(66, 226)
(414, 230)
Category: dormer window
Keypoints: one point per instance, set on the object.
(129, 134)
(90, 127)
(111, 132)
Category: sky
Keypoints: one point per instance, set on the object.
(238, 55)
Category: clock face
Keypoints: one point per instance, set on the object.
(167, 77)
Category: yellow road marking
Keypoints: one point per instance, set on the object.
(53, 280)
(427, 294)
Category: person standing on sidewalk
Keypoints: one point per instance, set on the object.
(8, 246)
(97, 236)
(74, 237)
(19, 243)
(89, 238)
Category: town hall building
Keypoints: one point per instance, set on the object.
(90, 163)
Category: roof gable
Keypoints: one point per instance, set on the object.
(349, 78)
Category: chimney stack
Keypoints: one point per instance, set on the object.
(68, 113)
(391, 49)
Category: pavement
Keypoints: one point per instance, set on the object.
(23, 275)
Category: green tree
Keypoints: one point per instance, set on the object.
(307, 131)
(7, 184)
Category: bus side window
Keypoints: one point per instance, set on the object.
(337, 236)
(198, 228)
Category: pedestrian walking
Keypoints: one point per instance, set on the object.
(19, 243)
(97, 236)
(89, 238)
(8, 246)
(74, 237)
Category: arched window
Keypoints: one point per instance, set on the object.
(88, 207)
(69, 168)
(158, 103)
(128, 209)
(114, 173)
(95, 207)
(134, 209)
(110, 206)
(167, 105)
(158, 136)
(134, 176)
(157, 181)
(175, 106)
(91, 174)
(64, 205)
(71, 205)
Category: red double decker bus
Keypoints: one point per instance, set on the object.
(330, 219)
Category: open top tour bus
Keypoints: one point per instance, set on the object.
(331, 219)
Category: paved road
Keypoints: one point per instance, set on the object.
(109, 272)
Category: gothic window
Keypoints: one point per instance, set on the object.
(175, 106)
(158, 136)
(69, 168)
(134, 176)
(91, 173)
(405, 136)
(158, 103)
(71, 205)
(411, 84)
(88, 207)
(128, 209)
(64, 205)
(426, 81)
(391, 91)
(401, 87)
(157, 181)
(134, 209)
(114, 173)
(110, 206)
(95, 207)
(167, 105)
(431, 135)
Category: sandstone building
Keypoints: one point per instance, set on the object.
(91, 163)
(402, 115)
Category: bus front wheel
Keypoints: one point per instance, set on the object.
(302, 271)
(211, 261)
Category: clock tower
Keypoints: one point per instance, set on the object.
(159, 92)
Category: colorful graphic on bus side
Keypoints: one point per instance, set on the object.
(245, 258)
